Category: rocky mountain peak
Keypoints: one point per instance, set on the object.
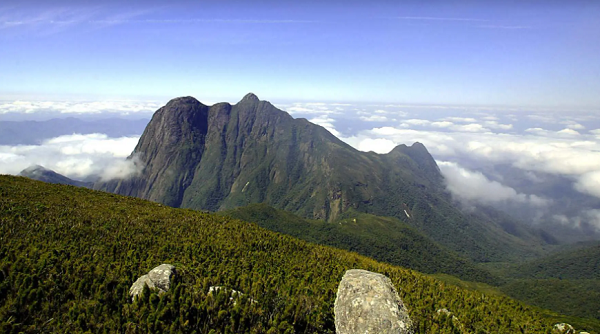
(182, 100)
(33, 170)
(250, 97)
(40, 173)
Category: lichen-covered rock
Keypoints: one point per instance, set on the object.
(138, 286)
(367, 302)
(455, 321)
(444, 311)
(161, 276)
(158, 278)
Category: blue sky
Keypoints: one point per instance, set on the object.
(543, 53)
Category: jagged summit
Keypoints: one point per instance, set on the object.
(250, 97)
(183, 100)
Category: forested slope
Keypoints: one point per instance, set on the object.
(385, 239)
(68, 256)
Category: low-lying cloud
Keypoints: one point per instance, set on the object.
(474, 187)
(543, 151)
(76, 156)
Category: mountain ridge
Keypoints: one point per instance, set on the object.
(225, 156)
(40, 173)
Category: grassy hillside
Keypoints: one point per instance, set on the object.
(579, 298)
(385, 239)
(68, 256)
(580, 263)
(566, 281)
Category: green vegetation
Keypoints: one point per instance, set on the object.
(393, 241)
(580, 263)
(578, 298)
(68, 256)
(385, 239)
(565, 281)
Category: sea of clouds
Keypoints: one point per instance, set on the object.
(468, 143)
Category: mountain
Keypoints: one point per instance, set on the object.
(69, 255)
(37, 172)
(224, 156)
(385, 239)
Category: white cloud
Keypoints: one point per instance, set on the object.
(442, 124)
(64, 107)
(473, 187)
(445, 123)
(568, 132)
(587, 218)
(574, 156)
(574, 125)
(420, 122)
(538, 131)
(593, 218)
(495, 125)
(374, 118)
(326, 122)
(589, 183)
(76, 156)
(378, 145)
(473, 127)
(460, 119)
(311, 108)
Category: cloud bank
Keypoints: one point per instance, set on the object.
(473, 187)
(76, 156)
(573, 155)
(82, 107)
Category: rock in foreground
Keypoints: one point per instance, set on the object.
(367, 302)
(158, 278)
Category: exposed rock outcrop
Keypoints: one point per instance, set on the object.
(563, 328)
(158, 278)
(455, 321)
(367, 302)
(233, 295)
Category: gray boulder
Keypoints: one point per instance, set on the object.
(367, 302)
(161, 276)
(158, 278)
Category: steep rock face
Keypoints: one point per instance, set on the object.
(225, 156)
(170, 148)
(367, 302)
